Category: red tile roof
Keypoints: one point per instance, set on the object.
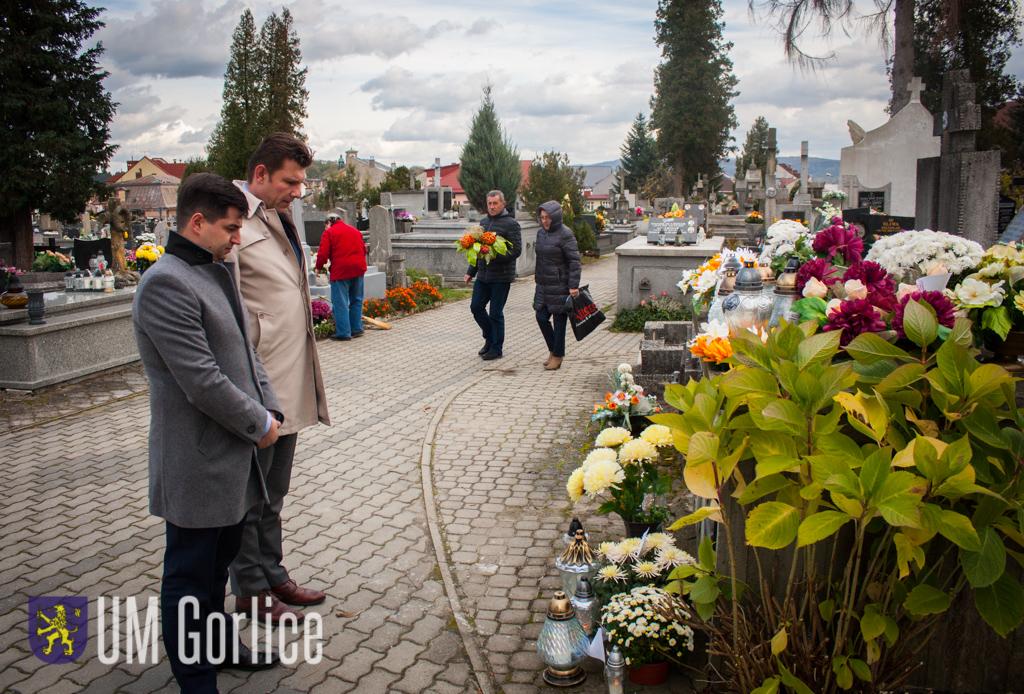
(175, 168)
(450, 175)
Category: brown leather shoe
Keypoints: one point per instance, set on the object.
(276, 609)
(553, 363)
(548, 360)
(294, 594)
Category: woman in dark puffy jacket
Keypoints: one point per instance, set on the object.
(558, 277)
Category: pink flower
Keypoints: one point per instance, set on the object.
(945, 312)
(855, 289)
(854, 318)
(839, 240)
(818, 268)
(815, 288)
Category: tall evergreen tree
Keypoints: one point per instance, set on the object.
(239, 131)
(55, 115)
(284, 78)
(639, 154)
(489, 159)
(552, 177)
(989, 30)
(693, 89)
(754, 152)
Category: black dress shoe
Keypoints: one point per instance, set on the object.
(491, 355)
(358, 334)
(338, 338)
(247, 660)
(485, 349)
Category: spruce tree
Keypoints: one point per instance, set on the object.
(754, 152)
(489, 159)
(693, 89)
(552, 177)
(284, 78)
(238, 132)
(55, 116)
(639, 155)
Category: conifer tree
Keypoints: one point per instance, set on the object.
(693, 89)
(55, 115)
(238, 132)
(284, 78)
(639, 154)
(754, 152)
(489, 159)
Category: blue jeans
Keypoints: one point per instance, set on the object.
(347, 304)
(491, 320)
(554, 335)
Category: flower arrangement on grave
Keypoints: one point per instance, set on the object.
(146, 255)
(52, 261)
(754, 217)
(637, 561)
(6, 273)
(783, 239)
(623, 471)
(826, 213)
(834, 196)
(839, 243)
(323, 318)
(600, 221)
(908, 255)
(676, 212)
(993, 295)
(477, 244)
(712, 344)
(626, 402)
(648, 625)
(699, 284)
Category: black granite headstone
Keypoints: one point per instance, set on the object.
(871, 198)
(795, 215)
(1007, 208)
(1014, 232)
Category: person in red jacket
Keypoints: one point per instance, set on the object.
(342, 246)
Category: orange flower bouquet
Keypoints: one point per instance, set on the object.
(483, 245)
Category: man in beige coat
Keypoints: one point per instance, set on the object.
(273, 280)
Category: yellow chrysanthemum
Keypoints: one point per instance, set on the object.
(611, 573)
(637, 451)
(613, 436)
(646, 569)
(657, 435)
(575, 485)
(599, 454)
(659, 540)
(631, 545)
(601, 475)
(671, 557)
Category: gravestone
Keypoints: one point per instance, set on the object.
(1007, 209)
(873, 226)
(382, 226)
(803, 198)
(1014, 232)
(880, 169)
(770, 209)
(958, 191)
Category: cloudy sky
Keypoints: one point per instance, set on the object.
(401, 79)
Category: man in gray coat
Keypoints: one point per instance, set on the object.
(211, 408)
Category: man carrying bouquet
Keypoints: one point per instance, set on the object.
(494, 276)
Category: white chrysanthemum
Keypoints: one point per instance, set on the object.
(657, 435)
(599, 454)
(611, 574)
(671, 557)
(637, 451)
(624, 368)
(575, 485)
(612, 436)
(658, 541)
(972, 293)
(616, 553)
(601, 475)
(910, 253)
(631, 546)
(604, 547)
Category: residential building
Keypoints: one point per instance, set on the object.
(150, 166)
(370, 170)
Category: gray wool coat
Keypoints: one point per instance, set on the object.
(209, 395)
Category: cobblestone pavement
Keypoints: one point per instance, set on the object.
(408, 405)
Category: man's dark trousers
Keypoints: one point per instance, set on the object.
(196, 564)
(491, 320)
(258, 564)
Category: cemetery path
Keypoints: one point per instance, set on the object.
(418, 419)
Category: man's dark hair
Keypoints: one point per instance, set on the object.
(275, 150)
(209, 194)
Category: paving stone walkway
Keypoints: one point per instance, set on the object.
(426, 439)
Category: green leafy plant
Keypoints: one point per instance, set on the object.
(50, 261)
(884, 483)
(662, 308)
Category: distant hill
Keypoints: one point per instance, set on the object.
(817, 167)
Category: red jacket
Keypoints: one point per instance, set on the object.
(343, 246)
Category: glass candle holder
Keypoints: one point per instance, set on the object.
(562, 644)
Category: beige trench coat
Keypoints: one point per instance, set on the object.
(275, 288)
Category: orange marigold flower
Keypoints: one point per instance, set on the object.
(489, 237)
(467, 241)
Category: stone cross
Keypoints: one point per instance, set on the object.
(803, 197)
(915, 88)
(382, 226)
(771, 210)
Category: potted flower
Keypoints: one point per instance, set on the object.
(627, 404)
(6, 274)
(908, 255)
(624, 472)
(323, 318)
(637, 561)
(649, 627)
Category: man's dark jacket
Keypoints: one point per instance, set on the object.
(502, 268)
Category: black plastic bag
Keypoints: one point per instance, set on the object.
(584, 315)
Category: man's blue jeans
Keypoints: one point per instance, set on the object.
(490, 319)
(347, 304)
